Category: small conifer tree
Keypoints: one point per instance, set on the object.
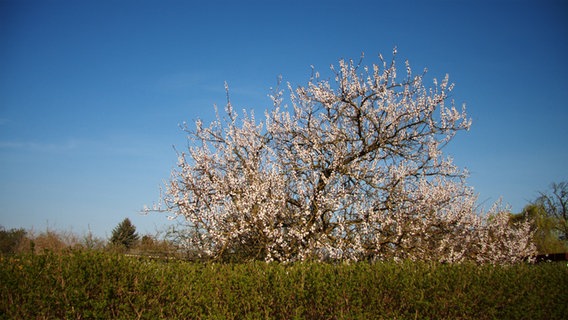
(124, 234)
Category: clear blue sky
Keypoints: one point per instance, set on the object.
(92, 92)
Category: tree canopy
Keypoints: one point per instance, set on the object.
(548, 216)
(350, 168)
(555, 204)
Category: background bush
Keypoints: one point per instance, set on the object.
(83, 284)
(10, 240)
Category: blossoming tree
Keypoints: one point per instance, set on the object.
(351, 168)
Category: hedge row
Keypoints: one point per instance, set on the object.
(95, 285)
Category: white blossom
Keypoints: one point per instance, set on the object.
(352, 169)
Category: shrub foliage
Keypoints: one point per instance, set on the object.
(97, 285)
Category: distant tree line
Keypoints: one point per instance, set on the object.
(124, 239)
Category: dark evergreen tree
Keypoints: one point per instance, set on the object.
(124, 234)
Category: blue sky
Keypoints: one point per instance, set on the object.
(92, 92)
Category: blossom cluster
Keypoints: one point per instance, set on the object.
(351, 169)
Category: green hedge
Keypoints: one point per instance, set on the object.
(96, 285)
